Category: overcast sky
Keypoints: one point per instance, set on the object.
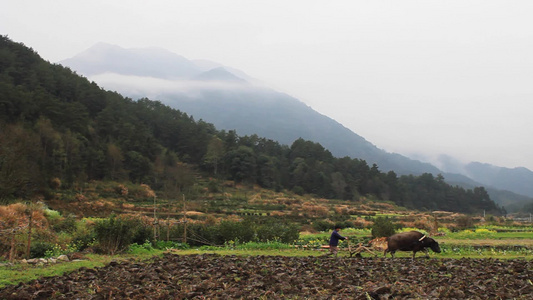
(420, 78)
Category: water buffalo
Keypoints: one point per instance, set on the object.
(411, 241)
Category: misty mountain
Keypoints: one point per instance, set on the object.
(512, 201)
(246, 109)
(206, 65)
(281, 117)
(226, 98)
(519, 180)
(219, 73)
(236, 106)
(449, 164)
(146, 62)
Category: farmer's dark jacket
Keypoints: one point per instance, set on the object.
(335, 237)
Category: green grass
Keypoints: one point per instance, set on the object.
(252, 252)
(387, 215)
(506, 252)
(10, 275)
(447, 252)
(23, 273)
(488, 234)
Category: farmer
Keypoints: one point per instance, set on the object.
(334, 241)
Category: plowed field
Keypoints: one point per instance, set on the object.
(277, 277)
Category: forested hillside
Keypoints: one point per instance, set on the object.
(228, 99)
(59, 128)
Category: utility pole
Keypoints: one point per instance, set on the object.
(12, 249)
(155, 220)
(30, 212)
(168, 220)
(185, 222)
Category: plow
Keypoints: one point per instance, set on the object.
(374, 247)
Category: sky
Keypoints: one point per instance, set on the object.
(419, 78)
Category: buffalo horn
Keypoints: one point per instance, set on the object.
(422, 238)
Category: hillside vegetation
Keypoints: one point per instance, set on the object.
(62, 131)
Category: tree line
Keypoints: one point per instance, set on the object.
(58, 126)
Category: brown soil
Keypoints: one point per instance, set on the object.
(276, 277)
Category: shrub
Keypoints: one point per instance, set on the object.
(144, 248)
(249, 230)
(66, 224)
(312, 241)
(141, 233)
(464, 222)
(55, 183)
(197, 234)
(39, 249)
(55, 251)
(323, 225)
(163, 245)
(298, 190)
(122, 190)
(315, 210)
(231, 231)
(383, 226)
(52, 215)
(84, 236)
(345, 224)
(47, 250)
(429, 224)
(212, 186)
(276, 231)
(117, 233)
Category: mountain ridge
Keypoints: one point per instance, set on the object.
(150, 62)
(512, 179)
(219, 73)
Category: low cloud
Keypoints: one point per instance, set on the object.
(153, 88)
